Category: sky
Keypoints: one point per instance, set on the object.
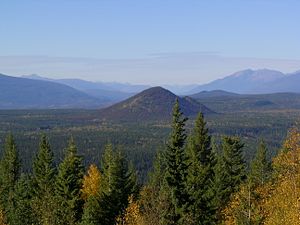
(148, 41)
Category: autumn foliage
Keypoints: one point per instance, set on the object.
(91, 182)
(276, 201)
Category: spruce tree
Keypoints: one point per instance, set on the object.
(9, 175)
(176, 168)
(118, 183)
(67, 187)
(260, 167)
(91, 209)
(44, 171)
(249, 210)
(153, 199)
(21, 213)
(229, 171)
(200, 173)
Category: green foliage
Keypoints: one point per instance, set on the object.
(68, 185)
(153, 198)
(176, 167)
(44, 171)
(91, 209)
(260, 169)
(200, 174)
(140, 142)
(250, 196)
(118, 183)
(21, 212)
(229, 171)
(9, 175)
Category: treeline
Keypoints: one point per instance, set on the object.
(193, 181)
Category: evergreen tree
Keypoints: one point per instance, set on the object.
(260, 168)
(117, 185)
(68, 185)
(21, 213)
(91, 215)
(176, 168)
(153, 196)
(229, 171)
(200, 173)
(9, 175)
(44, 171)
(249, 209)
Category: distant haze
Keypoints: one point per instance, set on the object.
(159, 69)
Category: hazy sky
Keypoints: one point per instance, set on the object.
(148, 41)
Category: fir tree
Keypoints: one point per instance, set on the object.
(68, 185)
(249, 210)
(21, 213)
(91, 215)
(44, 171)
(229, 171)
(117, 185)
(176, 168)
(200, 173)
(260, 167)
(9, 175)
(153, 199)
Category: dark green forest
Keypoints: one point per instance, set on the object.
(139, 141)
(66, 167)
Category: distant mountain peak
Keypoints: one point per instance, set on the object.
(241, 73)
(245, 81)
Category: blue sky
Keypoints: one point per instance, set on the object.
(153, 41)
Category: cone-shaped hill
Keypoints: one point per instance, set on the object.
(152, 104)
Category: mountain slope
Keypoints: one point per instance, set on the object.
(109, 92)
(246, 81)
(289, 83)
(213, 94)
(253, 102)
(21, 93)
(152, 104)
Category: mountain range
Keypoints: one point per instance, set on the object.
(254, 82)
(243, 82)
(21, 93)
(39, 92)
(110, 92)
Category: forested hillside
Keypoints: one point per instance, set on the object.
(194, 180)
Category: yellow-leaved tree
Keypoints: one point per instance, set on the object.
(132, 214)
(2, 217)
(283, 206)
(91, 182)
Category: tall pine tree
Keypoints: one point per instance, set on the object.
(22, 212)
(176, 168)
(9, 175)
(229, 171)
(260, 168)
(200, 173)
(153, 195)
(68, 185)
(44, 172)
(118, 184)
(250, 196)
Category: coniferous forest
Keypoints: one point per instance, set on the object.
(193, 180)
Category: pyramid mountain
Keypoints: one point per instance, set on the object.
(155, 103)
